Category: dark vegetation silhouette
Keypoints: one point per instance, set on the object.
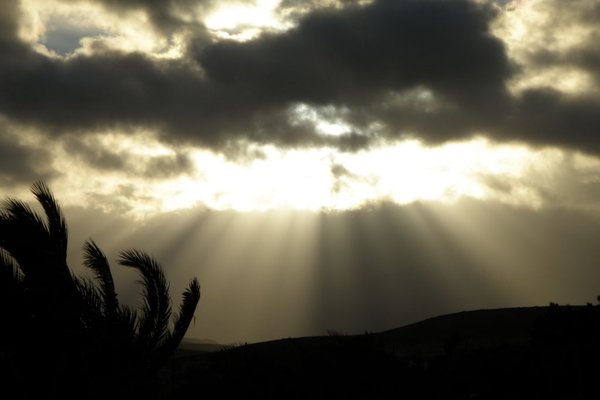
(65, 336)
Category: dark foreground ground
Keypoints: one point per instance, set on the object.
(520, 353)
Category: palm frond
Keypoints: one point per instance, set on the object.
(14, 308)
(190, 299)
(94, 259)
(10, 274)
(17, 210)
(127, 318)
(90, 308)
(19, 221)
(51, 290)
(57, 227)
(13, 292)
(20, 226)
(124, 338)
(156, 307)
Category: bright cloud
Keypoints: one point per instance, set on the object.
(319, 179)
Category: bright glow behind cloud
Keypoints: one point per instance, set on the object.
(244, 21)
(325, 178)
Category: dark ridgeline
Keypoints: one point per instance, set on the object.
(63, 336)
(547, 353)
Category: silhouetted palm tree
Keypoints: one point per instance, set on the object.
(62, 333)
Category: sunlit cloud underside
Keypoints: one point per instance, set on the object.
(322, 179)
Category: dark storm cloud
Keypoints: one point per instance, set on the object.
(107, 90)
(20, 164)
(344, 57)
(357, 58)
(545, 116)
(16, 164)
(114, 90)
(353, 56)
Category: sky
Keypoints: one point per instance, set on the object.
(319, 165)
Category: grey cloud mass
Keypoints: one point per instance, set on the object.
(368, 59)
(165, 15)
(582, 15)
(352, 56)
(19, 162)
(102, 158)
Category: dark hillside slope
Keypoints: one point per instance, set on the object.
(466, 330)
(514, 353)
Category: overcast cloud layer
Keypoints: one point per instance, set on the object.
(431, 69)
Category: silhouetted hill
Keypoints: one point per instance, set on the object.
(472, 329)
(468, 329)
(516, 353)
(199, 345)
